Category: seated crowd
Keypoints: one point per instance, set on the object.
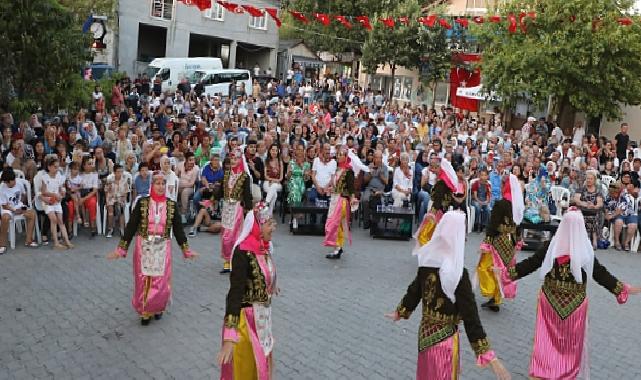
(88, 170)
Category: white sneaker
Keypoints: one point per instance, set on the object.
(110, 233)
(192, 232)
(294, 224)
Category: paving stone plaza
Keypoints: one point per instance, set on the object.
(67, 315)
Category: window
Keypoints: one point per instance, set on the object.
(258, 22)
(216, 12)
(163, 9)
(164, 74)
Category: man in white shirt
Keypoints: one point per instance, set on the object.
(323, 170)
(11, 202)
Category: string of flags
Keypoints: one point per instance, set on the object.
(515, 22)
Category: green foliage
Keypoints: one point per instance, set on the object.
(44, 51)
(334, 38)
(592, 64)
(412, 46)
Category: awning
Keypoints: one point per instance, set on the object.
(307, 61)
(477, 92)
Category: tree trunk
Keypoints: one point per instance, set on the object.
(433, 88)
(391, 91)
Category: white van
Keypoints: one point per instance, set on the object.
(172, 70)
(216, 82)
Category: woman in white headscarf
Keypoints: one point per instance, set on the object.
(560, 342)
(498, 249)
(444, 287)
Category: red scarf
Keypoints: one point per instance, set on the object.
(155, 196)
(254, 242)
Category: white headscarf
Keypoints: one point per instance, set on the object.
(571, 239)
(446, 251)
(518, 205)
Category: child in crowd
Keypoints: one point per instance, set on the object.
(53, 191)
(481, 195)
(74, 184)
(142, 183)
(116, 191)
(89, 193)
(11, 197)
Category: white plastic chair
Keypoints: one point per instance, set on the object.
(19, 173)
(558, 194)
(607, 180)
(637, 152)
(20, 218)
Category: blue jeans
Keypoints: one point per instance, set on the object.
(423, 201)
(482, 214)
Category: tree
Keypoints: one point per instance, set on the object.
(573, 50)
(410, 46)
(334, 38)
(44, 51)
(436, 60)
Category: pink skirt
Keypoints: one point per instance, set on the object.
(151, 294)
(560, 345)
(439, 362)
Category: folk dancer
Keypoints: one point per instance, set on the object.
(498, 249)
(560, 342)
(247, 345)
(342, 202)
(443, 285)
(442, 197)
(152, 220)
(237, 199)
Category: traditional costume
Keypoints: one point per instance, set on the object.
(237, 198)
(445, 186)
(560, 341)
(248, 312)
(152, 220)
(498, 249)
(443, 285)
(339, 213)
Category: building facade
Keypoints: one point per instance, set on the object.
(149, 29)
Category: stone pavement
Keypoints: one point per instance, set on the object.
(67, 315)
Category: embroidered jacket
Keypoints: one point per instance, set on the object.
(559, 286)
(441, 196)
(139, 224)
(241, 190)
(345, 184)
(441, 317)
(247, 286)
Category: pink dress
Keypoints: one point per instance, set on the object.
(152, 282)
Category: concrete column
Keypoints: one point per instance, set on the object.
(273, 60)
(232, 54)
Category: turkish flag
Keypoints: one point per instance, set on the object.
(460, 77)
(273, 12)
(322, 18)
(255, 12)
(364, 20)
(299, 16)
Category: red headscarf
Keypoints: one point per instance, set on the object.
(240, 167)
(254, 241)
(347, 164)
(152, 193)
